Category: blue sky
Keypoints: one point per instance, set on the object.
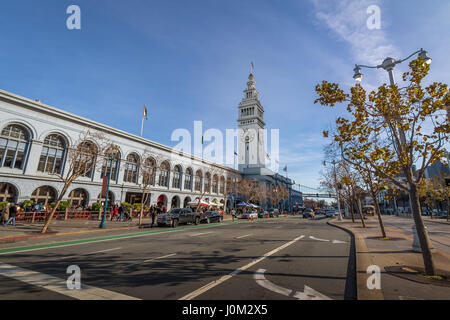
(189, 60)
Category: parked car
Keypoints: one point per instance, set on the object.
(178, 216)
(274, 213)
(211, 217)
(331, 213)
(249, 215)
(308, 213)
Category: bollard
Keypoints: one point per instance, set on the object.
(416, 243)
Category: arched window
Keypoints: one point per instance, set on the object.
(114, 152)
(84, 164)
(14, 141)
(188, 179)
(132, 169)
(207, 182)
(78, 197)
(176, 183)
(164, 174)
(7, 192)
(215, 184)
(198, 180)
(52, 154)
(222, 185)
(44, 195)
(149, 171)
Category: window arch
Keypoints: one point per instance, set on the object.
(44, 195)
(164, 174)
(222, 185)
(215, 184)
(84, 163)
(53, 154)
(176, 183)
(207, 182)
(149, 171)
(198, 180)
(188, 179)
(78, 197)
(8, 192)
(14, 143)
(114, 151)
(132, 169)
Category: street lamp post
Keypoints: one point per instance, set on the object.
(102, 224)
(337, 191)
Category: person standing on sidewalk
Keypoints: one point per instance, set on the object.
(5, 214)
(120, 213)
(12, 215)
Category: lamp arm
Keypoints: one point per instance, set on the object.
(400, 61)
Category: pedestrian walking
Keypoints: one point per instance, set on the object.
(233, 214)
(153, 213)
(12, 215)
(115, 212)
(120, 210)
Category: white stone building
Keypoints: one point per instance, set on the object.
(33, 144)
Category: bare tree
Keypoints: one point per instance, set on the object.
(81, 160)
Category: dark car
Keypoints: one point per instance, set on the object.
(274, 213)
(178, 216)
(211, 217)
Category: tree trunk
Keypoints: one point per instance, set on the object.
(360, 212)
(424, 240)
(50, 217)
(377, 209)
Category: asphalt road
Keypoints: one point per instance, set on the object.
(285, 258)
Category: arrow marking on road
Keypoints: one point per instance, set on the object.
(307, 294)
(324, 240)
(263, 282)
(310, 294)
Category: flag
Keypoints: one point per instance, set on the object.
(267, 155)
(235, 153)
(253, 67)
(285, 169)
(145, 113)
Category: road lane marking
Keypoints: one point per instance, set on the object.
(263, 282)
(338, 241)
(200, 234)
(106, 250)
(314, 238)
(247, 235)
(58, 285)
(166, 256)
(215, 283)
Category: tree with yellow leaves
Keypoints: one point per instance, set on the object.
(400, 127)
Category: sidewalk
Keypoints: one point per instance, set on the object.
(24, 231)
(397, 261)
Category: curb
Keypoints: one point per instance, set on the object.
(436, 221)
(363, 261)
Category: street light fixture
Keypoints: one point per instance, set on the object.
(389, 65)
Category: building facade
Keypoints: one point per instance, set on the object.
(34, 139)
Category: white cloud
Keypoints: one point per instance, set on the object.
(347, 19)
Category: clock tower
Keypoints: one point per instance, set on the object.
(251, 125)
